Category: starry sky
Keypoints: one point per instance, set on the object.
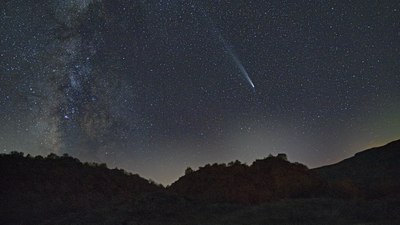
(155, 86)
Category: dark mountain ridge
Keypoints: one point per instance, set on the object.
(269, 179)
(61, 185)
(374, 172)
(62, 190)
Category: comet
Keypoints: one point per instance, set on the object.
(226, 46)
(237, 61)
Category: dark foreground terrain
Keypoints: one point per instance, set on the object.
(61, 190)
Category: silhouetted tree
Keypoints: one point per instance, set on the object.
(17, 154)
(235, 163)
(282, 156)
(188, 171)
(52, 156)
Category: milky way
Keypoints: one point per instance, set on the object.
(156, 86)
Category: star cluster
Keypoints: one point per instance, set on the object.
(154, 86)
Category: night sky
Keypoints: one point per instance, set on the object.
(155, 86)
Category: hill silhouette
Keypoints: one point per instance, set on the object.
(269, 179)
(372, 173)
(40, 187)
(61, 190)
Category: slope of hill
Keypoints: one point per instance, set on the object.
(32, 189)
(62, 190)
(272, 178)
(374, 172)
